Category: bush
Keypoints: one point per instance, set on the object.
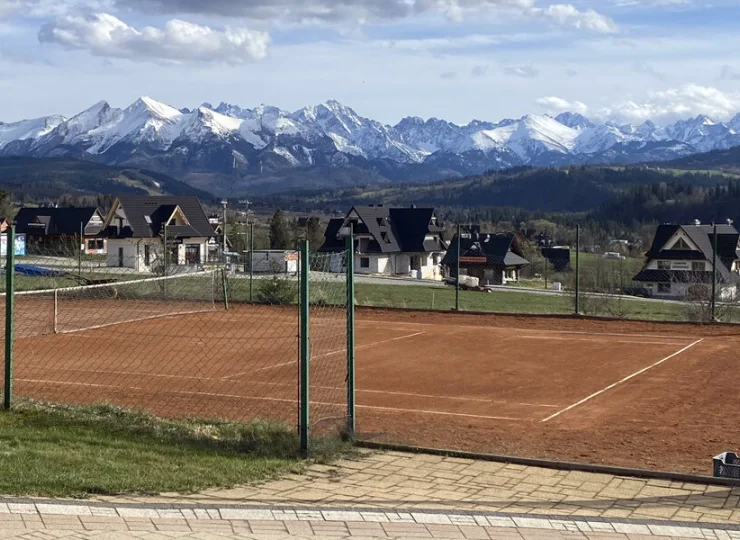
(278, 291)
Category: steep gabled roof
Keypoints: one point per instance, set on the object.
(146, 216)
(498, 249)
(702, 236)
(56, 221)
(332, 241)
(392, 230)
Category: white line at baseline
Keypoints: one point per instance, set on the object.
(332, 353)
(627, 378)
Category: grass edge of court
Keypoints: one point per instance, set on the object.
(54, 450)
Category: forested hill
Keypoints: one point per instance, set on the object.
(51, 179)
(575, 189)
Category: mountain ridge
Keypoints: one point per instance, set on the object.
(243, 147)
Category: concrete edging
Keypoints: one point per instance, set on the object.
(558, 465)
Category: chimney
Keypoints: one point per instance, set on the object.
(697, 222)
(729, 221)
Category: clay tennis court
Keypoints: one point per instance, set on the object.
(632, 394)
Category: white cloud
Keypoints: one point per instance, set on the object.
(363, 11)
(676, 103)
(569, 15)
(557, 104)
(729, 73)
(525, 72)
(178, 41)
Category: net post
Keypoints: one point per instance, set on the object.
(9, 314)
(225, 289)
(304, 350)
(350, 254)
(578, 269)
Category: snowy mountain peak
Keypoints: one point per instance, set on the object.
(333, 134)
(574, 120)
(155, 108)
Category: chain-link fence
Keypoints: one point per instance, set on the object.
(178, 336)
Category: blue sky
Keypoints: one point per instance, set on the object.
(624, 60)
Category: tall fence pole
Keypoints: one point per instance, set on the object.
(714, 274)
(578, 269)
(9, 315)
(304, 350)
(457, 262)
(251, 259)
(80, 250)
(351, 418)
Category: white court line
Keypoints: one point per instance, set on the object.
(332, 353)
(643, 370)
(509, 329)
(91, 385)
(294, 385)
(281, 400)
(369, 345)
(598, 339)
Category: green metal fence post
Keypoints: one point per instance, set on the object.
(251, 258)
(304, 351)
(9, 314)
(457, 276)
(351, 418)
(225, 289)
(714, 274)
(578, 269)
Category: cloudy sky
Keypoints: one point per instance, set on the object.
(626, 60)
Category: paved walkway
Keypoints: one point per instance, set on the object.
(397, 480)
(395, 495)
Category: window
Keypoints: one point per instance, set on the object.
(664, 288)
(664, 265)
(192, 254)
(91, 244)
(364, 262)
(147, 255)
(697, 266)
(415, 262)
(681, 245)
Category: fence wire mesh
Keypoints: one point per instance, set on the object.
(180, 338)
(328, 331)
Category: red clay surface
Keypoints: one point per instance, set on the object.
(644, 395)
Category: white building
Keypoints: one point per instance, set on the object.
(390, 241)
(679, 263)
(141, 229)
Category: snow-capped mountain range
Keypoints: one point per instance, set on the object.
(267, 140)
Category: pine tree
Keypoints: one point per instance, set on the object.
(279, 231)
(314, 234)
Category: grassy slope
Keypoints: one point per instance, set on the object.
(65, 452)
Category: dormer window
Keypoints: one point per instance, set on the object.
(681, 245)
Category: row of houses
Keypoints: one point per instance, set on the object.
(387, 241)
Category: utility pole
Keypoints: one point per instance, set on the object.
(224, 249)
(714, 273)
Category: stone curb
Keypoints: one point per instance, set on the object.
(704, 531)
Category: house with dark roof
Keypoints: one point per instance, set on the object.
(140, 230)
(679, 262)
(495, 259)
(391, 241)
(59, 231)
